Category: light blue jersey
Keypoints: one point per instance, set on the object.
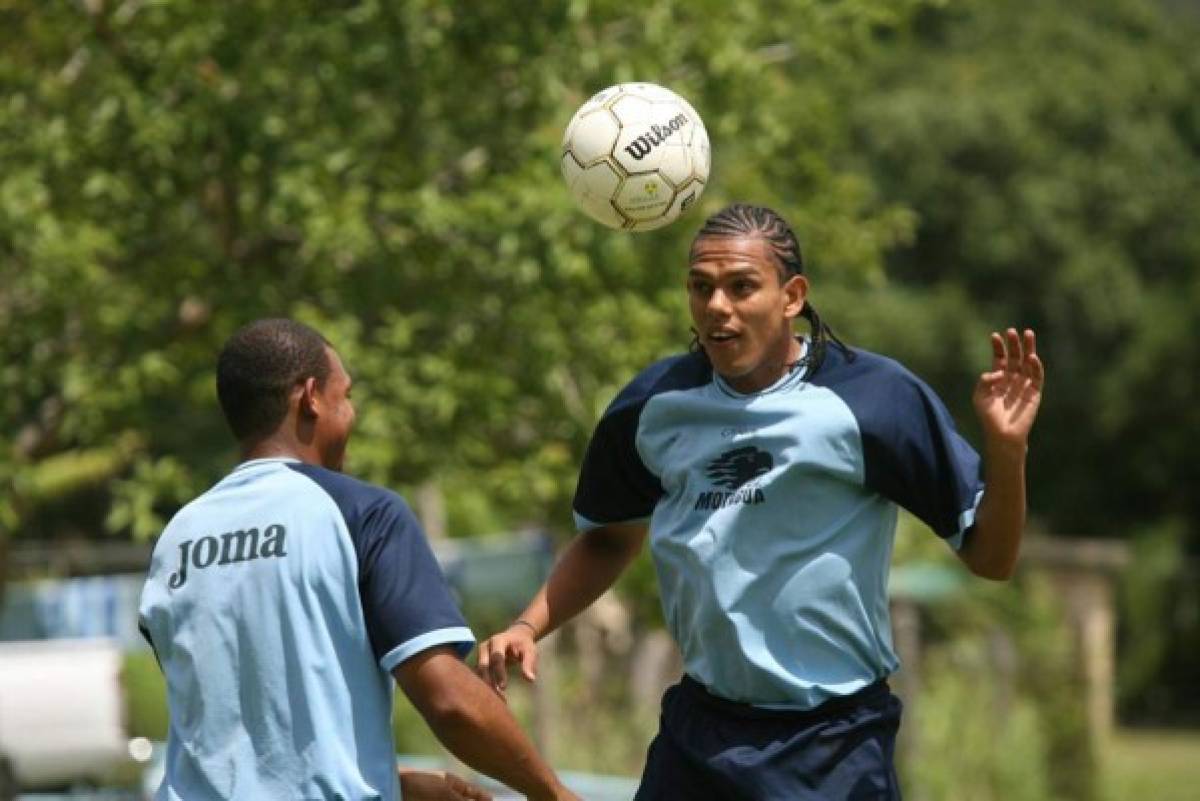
(772, 515)
(278, 603)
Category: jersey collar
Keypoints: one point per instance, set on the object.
(266, 460)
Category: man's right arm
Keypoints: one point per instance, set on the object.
(474, 724)
(590, 565)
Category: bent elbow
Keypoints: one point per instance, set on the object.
(447, 710)
(994, 572)
(442, 706)
(990, 556)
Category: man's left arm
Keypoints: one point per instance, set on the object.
(1006, 399)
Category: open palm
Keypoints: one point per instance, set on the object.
(1007, 397)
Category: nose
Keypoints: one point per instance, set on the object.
(718, 304)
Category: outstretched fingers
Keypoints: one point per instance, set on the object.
(529, 661)
(1011, 389)
(1012, 343)
(998, 354)
(491, 666)
(1033, 363)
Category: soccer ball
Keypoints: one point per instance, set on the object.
(635, 156)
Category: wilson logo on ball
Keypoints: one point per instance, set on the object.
(640, 148)
(635, 156)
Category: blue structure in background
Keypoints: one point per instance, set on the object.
(95, 606)
(500, 571)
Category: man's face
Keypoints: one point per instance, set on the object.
(335, 416)
(743, 310)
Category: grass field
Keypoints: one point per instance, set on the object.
(1153, 765)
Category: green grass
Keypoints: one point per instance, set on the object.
(1153, 765)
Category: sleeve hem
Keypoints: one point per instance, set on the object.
(458, 636)
(583, 524)
(966, 521)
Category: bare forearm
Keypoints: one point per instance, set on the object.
(590, 565)
(481, 732)
(992, 548)
(471, 720)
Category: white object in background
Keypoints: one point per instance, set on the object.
(61, 710)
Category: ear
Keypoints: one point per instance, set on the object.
(309, 404)
(795, 293)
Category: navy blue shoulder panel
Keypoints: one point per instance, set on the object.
(403, 590)
(912, 453)
(614, 484)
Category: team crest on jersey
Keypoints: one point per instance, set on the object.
(734, 471)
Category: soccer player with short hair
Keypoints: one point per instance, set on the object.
(767, 470)
(282, 602)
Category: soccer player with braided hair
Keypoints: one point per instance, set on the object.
(767, 469)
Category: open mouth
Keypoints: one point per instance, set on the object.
(721, 337)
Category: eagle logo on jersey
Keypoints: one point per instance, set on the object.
(734, 468)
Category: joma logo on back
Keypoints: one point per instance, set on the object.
(242, 545)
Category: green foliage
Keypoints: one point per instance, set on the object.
(170, 171)
(999, 755)
(145, 696)
(1159, 626)
(612, 736)
(1049, 151)
(999, 693)
(1000, 690)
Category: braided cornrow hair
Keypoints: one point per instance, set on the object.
(742, 219)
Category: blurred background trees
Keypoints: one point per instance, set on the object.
(388, 171)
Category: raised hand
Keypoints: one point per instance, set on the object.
(1007, 397)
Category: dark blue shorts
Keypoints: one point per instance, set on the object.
(713, 749)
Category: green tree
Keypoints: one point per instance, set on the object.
(388, 171)
(1049, 152)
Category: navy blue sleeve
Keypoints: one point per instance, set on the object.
(912, 453)
(406, 601)
(615, 486)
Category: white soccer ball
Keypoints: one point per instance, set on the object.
(635, 156)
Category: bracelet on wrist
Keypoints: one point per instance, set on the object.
(523, 622)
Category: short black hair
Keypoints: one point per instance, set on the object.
(257, 369)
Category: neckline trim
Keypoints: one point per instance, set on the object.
(786, 381)
(264, 460)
